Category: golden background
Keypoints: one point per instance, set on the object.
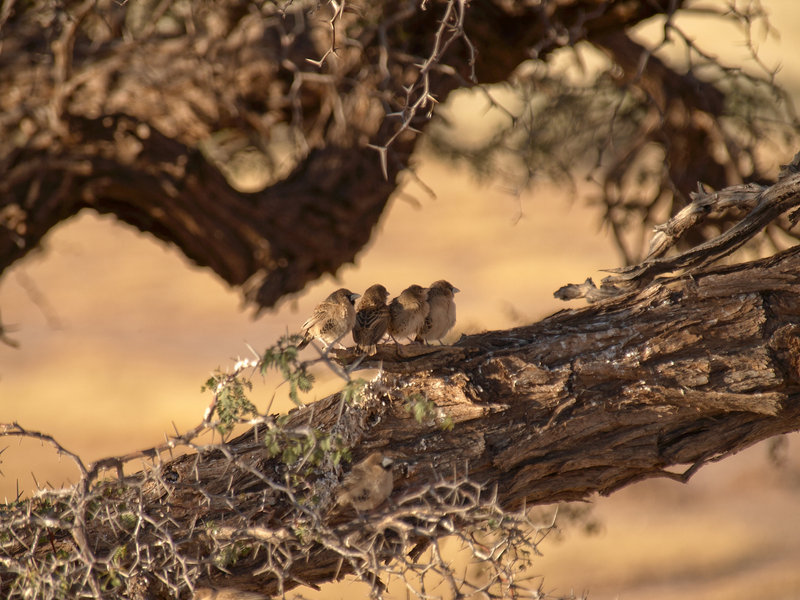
(118, 332)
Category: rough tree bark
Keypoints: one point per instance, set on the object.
(661, 371)
(104, 107)
(683, 370)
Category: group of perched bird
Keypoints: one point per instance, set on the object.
(417, 314)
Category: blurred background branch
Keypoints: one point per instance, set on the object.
(146, 110)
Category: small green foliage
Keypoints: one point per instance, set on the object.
(63, 554)
(291, 452)
(303, 533)
(128, 520)
(302, 381)
(301, 449)
(272, 441)
(420, 407)
(110, 580)
(92, 507)
(306, 448)
(232, 401)
(230, 555)
(210, 384)
(353, 390)
(283, 357)
(333, 445)
(341, 454)
(119, 554)
(424, 409)
(111, 488)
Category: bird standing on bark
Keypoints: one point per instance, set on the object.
(372, 318)
(368, 484)
(332, 319)
(407, 312)
(442, 311)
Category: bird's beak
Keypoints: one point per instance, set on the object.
(354, 297)
(456, 290)
(386, 462)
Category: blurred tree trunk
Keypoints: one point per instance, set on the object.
(664, 371)
(107, 105)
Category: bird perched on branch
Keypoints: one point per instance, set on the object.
(407, 312)
(368, 484)
(442, 311)
(372, 318)
(332, 319)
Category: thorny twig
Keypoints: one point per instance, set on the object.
(764, 203)
(145, 540)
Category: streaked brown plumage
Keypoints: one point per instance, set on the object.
(332, 319)
(368, 484)
(441, 313)
(407, 312)
(372, 318)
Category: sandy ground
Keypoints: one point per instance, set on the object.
(118, 332)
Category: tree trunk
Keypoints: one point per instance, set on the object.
(669, 371)
(113, 118)
(687, 371)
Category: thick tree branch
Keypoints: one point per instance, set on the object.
(674, 373)
(687, 370)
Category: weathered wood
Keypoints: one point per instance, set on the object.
(687, 371)
(654, 382)
(94, 118)
(667, 374)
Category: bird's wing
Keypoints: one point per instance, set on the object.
(373, 319)
(324, 311)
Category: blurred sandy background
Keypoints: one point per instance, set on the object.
(118, 332)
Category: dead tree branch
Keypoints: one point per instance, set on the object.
(671, 373)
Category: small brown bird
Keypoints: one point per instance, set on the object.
(368, 484)
(332, 319)
(407, 312)
(442, 313)
(372, 318)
